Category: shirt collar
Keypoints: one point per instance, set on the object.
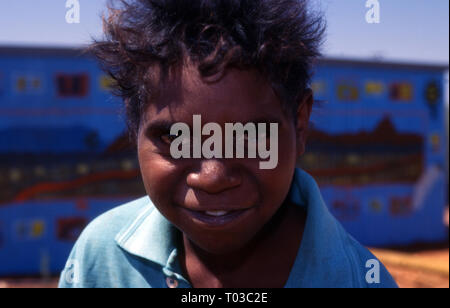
(152, 237)
(322, 259)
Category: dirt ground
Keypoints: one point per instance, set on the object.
(417, 268)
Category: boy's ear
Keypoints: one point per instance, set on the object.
(303, 115)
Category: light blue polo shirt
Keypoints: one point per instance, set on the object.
(135, 246)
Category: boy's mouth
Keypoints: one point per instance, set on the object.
(217, 213)
(217, 218)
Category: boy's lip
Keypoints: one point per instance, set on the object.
(214, 222)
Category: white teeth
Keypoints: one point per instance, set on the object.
(216, 213)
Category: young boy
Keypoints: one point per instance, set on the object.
(217, 222)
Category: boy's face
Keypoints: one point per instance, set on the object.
(184, 190)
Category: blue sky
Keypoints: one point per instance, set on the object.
(410, 30)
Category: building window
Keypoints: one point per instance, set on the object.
(106, 83)
(319, 88)
(374, 88)
(401, 92)
(72, 85)
(347, 91)
(21, 84)
(27, 84)
(36, 83)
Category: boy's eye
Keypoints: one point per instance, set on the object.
(168, 138)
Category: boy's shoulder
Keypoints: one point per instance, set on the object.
(96, 255)
(109, 224)
(329, 256)
(366, 266)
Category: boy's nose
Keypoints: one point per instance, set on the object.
(213, 177)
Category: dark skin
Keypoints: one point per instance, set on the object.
(265, 262)
(259, 248)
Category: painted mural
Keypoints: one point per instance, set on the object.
(383, 155)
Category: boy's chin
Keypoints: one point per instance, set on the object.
(220, 248)
(224, 250)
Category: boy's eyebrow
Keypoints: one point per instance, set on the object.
(158, 126)
(265, 120)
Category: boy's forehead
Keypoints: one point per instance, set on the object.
(238, 92)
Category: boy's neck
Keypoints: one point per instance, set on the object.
(266, 261)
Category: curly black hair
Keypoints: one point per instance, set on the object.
(278, 38)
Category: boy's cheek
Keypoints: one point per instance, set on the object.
(159, 175)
